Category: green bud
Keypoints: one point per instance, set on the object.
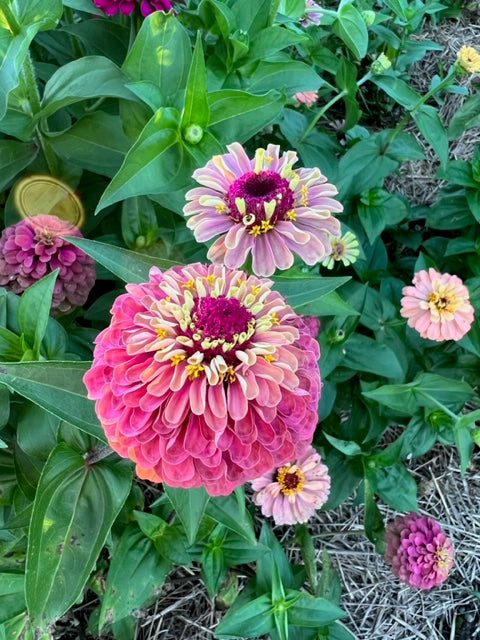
(476, 436)
(380, 65)
(193, 133)
(337, 336)
(140, 242)
(369, 17)
(438, 418)
(229, 592)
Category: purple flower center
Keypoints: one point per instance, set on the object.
(259, 197)
(219, 322)
(290, 478)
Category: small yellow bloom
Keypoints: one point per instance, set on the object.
(469, 59)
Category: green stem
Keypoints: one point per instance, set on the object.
(35, 105)
(329, 104)
(398, 129)
(93, 456)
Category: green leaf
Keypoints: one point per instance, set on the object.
(214, 569)
(364, 354)
(466, 117)
(34, 311)
(398, 89)
(74, 509)
(102, 37)
(11, 345)
(350, 27)
(156, 163)
(432, 129)
(399, 7)
(161, 54)
(12, 597)
(310, 611)
(450, 212)
(196, 110)
(87, 77)
(374, 527)
(291, 76)
(303, 293)
(14, 157)
(58, 388)
(329, 585)
(465, 445)
(225, 510)
(139, 220)
(190, 506)
(396, 486)
(95, 142)
(251, 619)
(237, 115)
(136, 572)
(347, 447)
(36, 430)
(271, 40)
(127, 265)
(473, 200)
(44, 12)
(274, 561)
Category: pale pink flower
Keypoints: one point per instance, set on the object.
(263, 207)
(307, 98)
(418, 550)
(205, 377)
(295, 491)
(33, 248)
(313, 14)
(437, 306)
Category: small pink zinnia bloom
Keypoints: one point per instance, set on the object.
(418, 550)
(262, 206)
(308, 98)
(149, 6)
(110, 7)
(295, 491)
(205, 377)
(33, 248)
(313, 15)
(437, 306)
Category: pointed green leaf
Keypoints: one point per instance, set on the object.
(302, 293)
(127, 265)
(190, 506)
(432, 129)
(58, 388)
(157, 162)
(252, 619)
(350, 27)
(87, 77)
(225, 510)
(196, 110)
(136, 571)
(74, 509)
(161, 54)
(34, 310)
(310, 611)
(14, 157)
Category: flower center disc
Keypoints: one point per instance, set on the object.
(256, 190)
(221, 319)
(290, 479)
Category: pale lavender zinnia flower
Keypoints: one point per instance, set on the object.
(418, 550)
(313, 14)
(33, 248)
(264, 207)
(295, 491)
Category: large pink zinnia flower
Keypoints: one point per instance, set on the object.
(262, 206)
(418, 550)
(295, 491)
(33, 248)
(205, 377)
(437, 306)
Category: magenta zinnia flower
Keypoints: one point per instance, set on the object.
(110, 7)
(418, 550)
(295, 491)
(33, 248)
(437, 306)
(149, 6)
(205, 377)
(262, 206)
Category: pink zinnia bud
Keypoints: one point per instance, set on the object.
(437, 306)
(205, 377)
(110, 7)
(308, 98)
(295, 491)
(418, 550)
(264, 207)
(33, 248)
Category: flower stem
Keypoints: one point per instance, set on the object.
(95, 455)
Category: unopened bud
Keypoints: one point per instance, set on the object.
(368, 17)
(193, 133)
(380, 65)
